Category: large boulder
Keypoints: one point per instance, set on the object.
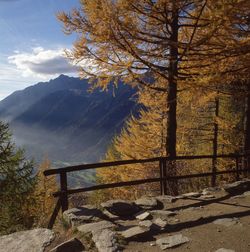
(121, 208)
(32, 240)
(84, 214)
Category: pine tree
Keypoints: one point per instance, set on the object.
(17, 183)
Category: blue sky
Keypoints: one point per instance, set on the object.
(32, 43)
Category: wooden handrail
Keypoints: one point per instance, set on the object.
(143, 181)
(64, 191)
(97, 165)
(133, 161)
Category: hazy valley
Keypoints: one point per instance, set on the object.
(62, 121)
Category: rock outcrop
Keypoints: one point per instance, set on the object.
(32, 241)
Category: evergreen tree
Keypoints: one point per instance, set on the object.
(17, 183)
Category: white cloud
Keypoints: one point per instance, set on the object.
(42, 63)
(11, 80)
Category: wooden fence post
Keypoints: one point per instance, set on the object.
(248, 165)
(161, 176)
(237, 168)
(246, 160)
(215, 144)
(164, 173)
(214, 170)
(54, 214)
(64, 196)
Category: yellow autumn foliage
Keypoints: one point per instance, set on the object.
(45, 201)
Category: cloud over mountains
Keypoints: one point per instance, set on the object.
(42, 63)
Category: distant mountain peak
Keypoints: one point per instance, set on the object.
(63, 76)
(62, 120)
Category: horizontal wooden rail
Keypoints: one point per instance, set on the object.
(83, 167)
(144, 181)
(98, 165)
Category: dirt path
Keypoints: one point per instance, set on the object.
(194, 220)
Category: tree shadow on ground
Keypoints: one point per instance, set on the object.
(177, 227)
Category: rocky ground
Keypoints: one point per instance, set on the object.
(216, 219)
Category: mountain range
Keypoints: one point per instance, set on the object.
(64, 122)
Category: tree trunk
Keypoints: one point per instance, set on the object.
(172, 101)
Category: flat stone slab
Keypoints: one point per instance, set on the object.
(162, 213)
(193, 208)
(171, 241)
(94, 227)
(241, 196)
(110, 215)
(191, 195)
(73, 245)
(134, 232)
(83, 214)
(147, 203)
(166, 198)
(179, 197)
(32, 240)
(207, 196)
(146, 223)
(210, 190)
(121, 207)
(237, 187)
(161, 223)
(227, 222)
(106, 241)
(224, 250)
(247, 193)
(143, 216)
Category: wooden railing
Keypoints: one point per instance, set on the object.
(64, 191)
